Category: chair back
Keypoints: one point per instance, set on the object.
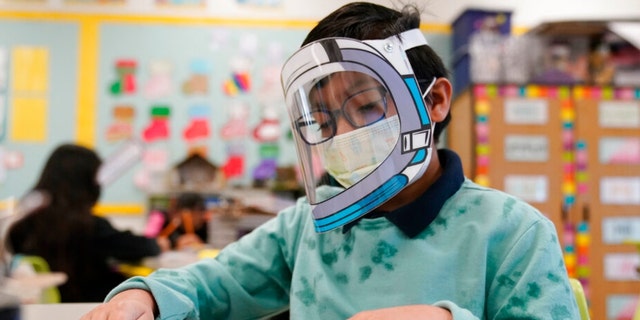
(39, 265)
(581, 299)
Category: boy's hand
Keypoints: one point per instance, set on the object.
(188, 240)
(134, 304)
(412, 312)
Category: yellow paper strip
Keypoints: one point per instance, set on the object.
(28, 119)
(30, 70)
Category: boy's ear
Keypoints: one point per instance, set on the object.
(440, 99)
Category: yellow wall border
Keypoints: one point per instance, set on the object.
(87, 103)
(118, 209)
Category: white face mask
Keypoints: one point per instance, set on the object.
(349, 157)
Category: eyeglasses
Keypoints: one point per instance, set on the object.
(360, 109)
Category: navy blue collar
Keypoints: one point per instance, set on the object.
(415, 217)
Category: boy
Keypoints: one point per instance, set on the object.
(401, 235)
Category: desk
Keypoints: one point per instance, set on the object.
(58, 311)
(169, 259)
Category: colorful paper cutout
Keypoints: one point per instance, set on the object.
(116, 164)
(122, 126)
(158, 129)
(12, 160)
(234, 167)
(240, 82)
(198, 127)
(160, 79)
(236, 126)
(265, 170)
(198, 81)
(125, 82)
(181, 3)
(268, 130)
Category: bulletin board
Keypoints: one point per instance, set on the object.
(515, 141)
(226, 76)
(173, 84)
(575, 153)
(608, 163)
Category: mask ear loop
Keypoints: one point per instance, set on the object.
(426, 92)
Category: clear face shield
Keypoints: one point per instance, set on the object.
(359, 119)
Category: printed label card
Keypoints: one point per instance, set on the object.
(621, 266)
(526, 111)
(618, 230)
(619, 150)
(526, 148)
(619, 114)
(620, 190)
(527, 187)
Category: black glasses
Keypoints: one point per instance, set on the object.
(360, 109)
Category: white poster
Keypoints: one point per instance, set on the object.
(619, 150)
(620, 190)
(529, 188)
(526, 111)
(526, 148)
(617, 230)
(621, 266)
(619, 114)
(4, 68)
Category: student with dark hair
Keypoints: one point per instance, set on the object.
(186, 224)
(65, 233)
(400, 233)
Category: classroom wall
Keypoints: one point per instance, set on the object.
(79, 45)
(71, 94)
(527, 13)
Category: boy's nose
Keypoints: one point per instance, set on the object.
(343, 126)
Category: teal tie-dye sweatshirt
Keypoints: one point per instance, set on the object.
(487, 255)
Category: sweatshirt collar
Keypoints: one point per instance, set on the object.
(416, 216)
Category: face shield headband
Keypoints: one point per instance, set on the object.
(369, 87)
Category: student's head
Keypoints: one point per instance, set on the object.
(69, 178)
(193, 203)
(361, 98)
(368, 21)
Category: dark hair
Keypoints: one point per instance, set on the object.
(193, 201)
(69, 178)
(368, 21)
(59, 230)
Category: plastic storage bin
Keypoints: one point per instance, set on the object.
(468, 23)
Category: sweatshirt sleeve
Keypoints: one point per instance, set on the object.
(531, 281)
(249, 279)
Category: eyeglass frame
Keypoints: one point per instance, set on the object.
(340, 111)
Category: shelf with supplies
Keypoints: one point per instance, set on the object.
(235, 211)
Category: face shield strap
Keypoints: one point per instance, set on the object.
(394, 48)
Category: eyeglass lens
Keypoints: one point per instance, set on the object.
(360, 109)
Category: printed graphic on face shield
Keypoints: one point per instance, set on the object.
(348, 98)
(349, 157)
